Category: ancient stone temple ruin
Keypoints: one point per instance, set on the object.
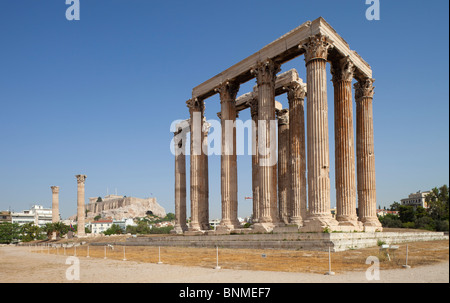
(294, 188)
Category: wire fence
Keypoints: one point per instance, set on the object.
(412, 254)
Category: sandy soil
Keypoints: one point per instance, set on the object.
(19, 264)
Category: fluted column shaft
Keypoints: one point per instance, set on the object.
(297, 149)
(365, 153)
(283, 166)
(196, 109)
(180, 181)
(265, 76)
(255, 162)
(80, 205)
(317, 132)
(344, 143)
(55, 204)
(204, 209)
(228, 115)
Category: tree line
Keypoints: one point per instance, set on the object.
(13, 232)
(434, 218)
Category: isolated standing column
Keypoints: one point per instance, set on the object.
(80, 205)
(55, 204)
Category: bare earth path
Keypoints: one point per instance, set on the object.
(20, 265)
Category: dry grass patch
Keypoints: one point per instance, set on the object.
(420, 253)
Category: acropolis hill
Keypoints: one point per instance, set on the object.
(119, 207)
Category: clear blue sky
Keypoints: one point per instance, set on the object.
(97, 96)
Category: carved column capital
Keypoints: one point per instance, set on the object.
(296, 91)
(283, 117)
(81, 178)
(343, 70)
(228, 91)
(316, 47)
(195, 105)
(55, 189)
(266, 72)
(364, 88)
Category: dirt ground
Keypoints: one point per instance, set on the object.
(429, 262)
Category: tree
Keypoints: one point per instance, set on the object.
(169, 217)
(395, 206)
(113, 230)
(99, 199)
(30, 232)
(437, 201)
(9, 233)
(390, 220)
(407, 213)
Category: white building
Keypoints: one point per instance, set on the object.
(416, 199)
(37, 215)
(214, 223)
(100, 226)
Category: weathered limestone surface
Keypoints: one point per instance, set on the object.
(344, 144)
(265, 76)
(283, 166)
(297, 148)
(282, 50)
(55, 204)
(119, 208)
(196, 109)
(204, 205)
(81, 179)
(180, 178)
(307, 241)
(364, 91)
(316, 52)
(228, 92)
(253, 103)
(299, 199)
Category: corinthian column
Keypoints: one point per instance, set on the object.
(265, 77)
(196, 110)
(228, 91)
(204, 214)
(283, 166)
(55, 204)
(344, 144)
(255, 164)
(296, 96)
(180, 179)
(80, 205)
(365, 153)
(316, 53)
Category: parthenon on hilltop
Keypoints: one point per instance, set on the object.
(293, 190)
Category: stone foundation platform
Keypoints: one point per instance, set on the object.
(286, 240)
